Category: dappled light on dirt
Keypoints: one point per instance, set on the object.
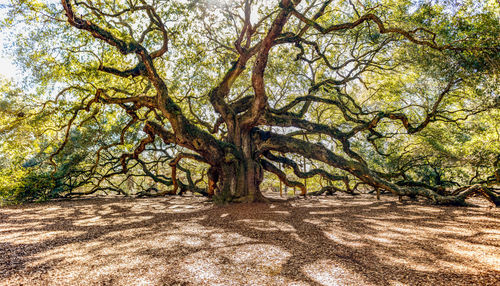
(236, 265)
(266, 225)
(188, 241)
(326, 272)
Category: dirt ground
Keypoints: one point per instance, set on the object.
(337, 240)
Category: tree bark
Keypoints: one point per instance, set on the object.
(239, 175)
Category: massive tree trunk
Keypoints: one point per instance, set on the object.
(239, 175)
(239, 181)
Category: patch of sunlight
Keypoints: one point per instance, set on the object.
(91, 261)
(476, 253)
(236, 265)
(54, 208)
(89, 210)
(297, 237)
(282, 212)
(222, 239)
(491, 230)
(461, 229)
(423, 267)
(455, 267)
(56, 215)
(16, 227)
(32, 237)
(389, 217)
(380, 207)
(391, 233)
(201, 266)
(381, 240)
(421, 260)
(126, 265)
(39, 214)
(68, 252)
(106, 210)
(396, 260)
(483, 219)
(165, 241)
(87, 221)
(377, 222)
(179, 240)
(142, 206)
(157, 241)
(396, 283)
(403, 230)
(345, 238)
(99, 221)
(267, 225)
(127, 233)
(423, 209)
(327, 272)
(15, 212)
(440, 230)
(363, 203)
(326, 212)
(491, 235)
(263, 255)
(191, 227)
(179, 208)
(322, 221)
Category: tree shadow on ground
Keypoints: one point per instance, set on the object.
(382, 243)
(324, 241)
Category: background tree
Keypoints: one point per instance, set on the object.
(400, 96)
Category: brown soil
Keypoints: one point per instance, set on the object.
(187, 241)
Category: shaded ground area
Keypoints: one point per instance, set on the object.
(188, 241)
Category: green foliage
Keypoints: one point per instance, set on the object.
(23, 186)
(61, 67)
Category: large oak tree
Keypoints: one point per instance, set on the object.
(357, 92)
